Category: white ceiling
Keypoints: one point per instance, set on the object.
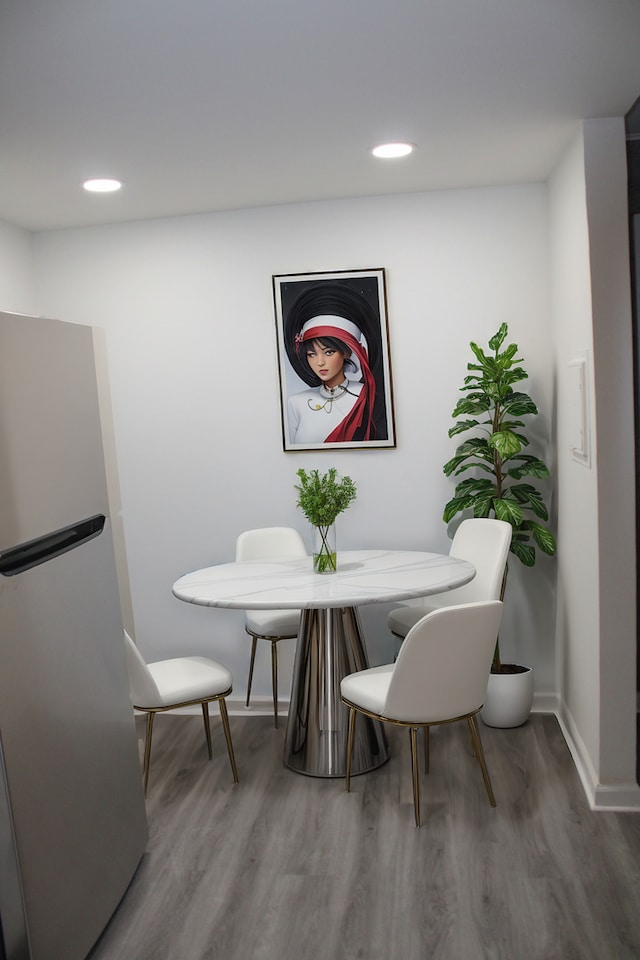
(202, 105)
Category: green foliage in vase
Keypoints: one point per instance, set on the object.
(321, 497)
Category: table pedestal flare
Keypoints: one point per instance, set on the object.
(330, 646)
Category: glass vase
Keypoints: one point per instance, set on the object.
(325, 558)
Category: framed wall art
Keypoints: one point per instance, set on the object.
(333, 360)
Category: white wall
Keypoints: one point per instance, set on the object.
(186, 305)
(577, 630)
(595, 628)
(16, 269)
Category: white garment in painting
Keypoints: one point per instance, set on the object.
(313, 416)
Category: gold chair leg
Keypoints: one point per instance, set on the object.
(147, 751)
(426, 749)
(254, 642)
(274, 680)
(350, 737)
(224, 716)
(479, 752)
(413, 733)
(207, 726)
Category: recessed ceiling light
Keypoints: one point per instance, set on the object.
(387, 150)
(102, 185)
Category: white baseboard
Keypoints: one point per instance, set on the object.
(545, 703)
(621, 797)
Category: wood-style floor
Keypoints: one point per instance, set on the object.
(286, 867)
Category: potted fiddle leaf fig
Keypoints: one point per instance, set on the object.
(321, 497)
(496, 471)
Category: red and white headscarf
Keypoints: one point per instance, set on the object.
(350, 334)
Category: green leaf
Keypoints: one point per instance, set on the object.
(466, 461)
(491, 370)
(529, 467)
(462, 426)
(506, 443)
(505, 359)
(514, 375)
(473, 404)
(494, 391)
(475, 485)
(519, 404)
(525, 493)
(456, 505)
(507, 510)
(498, 338)
(452, 464)
(480, 355)
(476, 447)
(524, 552)
(477, 465)
(483, 505)
(543, 537)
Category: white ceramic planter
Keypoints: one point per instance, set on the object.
(508, 699)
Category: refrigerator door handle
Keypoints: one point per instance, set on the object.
(34, 552)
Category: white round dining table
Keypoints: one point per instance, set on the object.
(331, 643)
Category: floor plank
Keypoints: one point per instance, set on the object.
(283, 866)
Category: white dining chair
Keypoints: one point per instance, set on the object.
(270, 543)
(440, 676)
(180, 682)
(485, 543)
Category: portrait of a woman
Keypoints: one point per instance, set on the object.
(333, 343)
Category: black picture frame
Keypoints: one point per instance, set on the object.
(352, 307)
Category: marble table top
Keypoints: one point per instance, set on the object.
(363, 576)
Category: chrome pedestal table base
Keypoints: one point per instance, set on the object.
(330, 646)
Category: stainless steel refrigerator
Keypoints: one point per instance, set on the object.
(72, 816)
